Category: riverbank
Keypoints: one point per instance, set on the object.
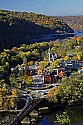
(75, 115)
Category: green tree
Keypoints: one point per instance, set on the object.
(63, 119)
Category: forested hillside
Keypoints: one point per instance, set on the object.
(75, 22)
(18, 27)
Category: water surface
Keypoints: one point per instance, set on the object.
(75, 114)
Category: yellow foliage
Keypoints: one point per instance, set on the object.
(66, 57)
(31, 63)
(41, 68)
(53, 92)
(79, 55)
(0, 92)
(4, 90)
(28, 79)
(11, 101)
(1, 102)
(5, 105)
(55, 63)
(79, 39)
(14, 92)
(43, 63)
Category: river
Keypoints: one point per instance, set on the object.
(78, 32)
(56, 36)
(75, 116)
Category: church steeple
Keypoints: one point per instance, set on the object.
(49, 55)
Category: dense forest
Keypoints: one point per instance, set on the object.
(75, 22)
(19, 27)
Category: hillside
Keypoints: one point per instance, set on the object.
(18, 27)
(75, 22)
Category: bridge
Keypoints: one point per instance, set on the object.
(29, 107)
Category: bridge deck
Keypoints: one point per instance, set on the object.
(14, 120)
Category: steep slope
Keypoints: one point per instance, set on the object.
(19, 27)
(75, 22)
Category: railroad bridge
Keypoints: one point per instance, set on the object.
(28, 108)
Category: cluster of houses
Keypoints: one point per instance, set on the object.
(49, 77)
(64, 69)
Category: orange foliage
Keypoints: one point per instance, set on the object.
(14, 49)
(53, 92)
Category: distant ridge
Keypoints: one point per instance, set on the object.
(75, 22)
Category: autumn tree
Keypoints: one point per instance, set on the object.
(28, 80)
(66, 57)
